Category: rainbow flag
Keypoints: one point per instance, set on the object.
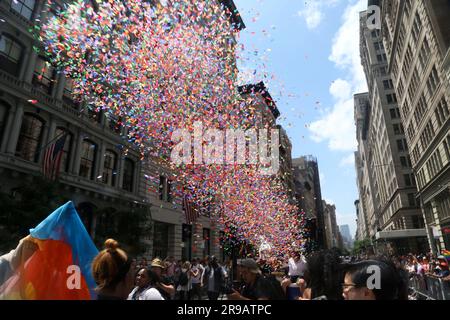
(446, 254)
(60, 267)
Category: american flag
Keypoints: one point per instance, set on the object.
(189, 210)
(52, 158)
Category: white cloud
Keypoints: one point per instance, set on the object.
(337, 126)
(313, 12)
(348, 160)
(340, 89)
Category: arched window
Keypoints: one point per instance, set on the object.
(4, 110)
(87, 163)
(67, 151)
(30, 137)
(24, 7)
(128, 175)
(44, 75)
(10, 54)
(109, 168)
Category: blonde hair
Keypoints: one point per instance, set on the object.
(107, 265)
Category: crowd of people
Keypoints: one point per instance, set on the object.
(322, 275)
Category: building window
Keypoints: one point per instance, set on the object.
(417, 222)
(67, 150)
(412, 200)
(128, 175)
(30, 138)
(400, 145)
(24, 7)
(407, 179)
(10, 55)
(44, 75)
(165, 189)
(87, 163)
(109, 168)
(391, 98)
(207, 242)
(4, 111)
(186, 238)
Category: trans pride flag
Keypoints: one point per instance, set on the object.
(60, 268)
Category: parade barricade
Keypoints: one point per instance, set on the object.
(430, 288)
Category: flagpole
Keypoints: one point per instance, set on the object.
(50, 142)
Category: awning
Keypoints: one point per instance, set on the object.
(398, 234)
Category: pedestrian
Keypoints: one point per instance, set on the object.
(254, 285)
(184, 282)
(165, 285)
(11, 261)
(113, 272)
(170, 267)
(196, 274)
(146, 282)
(361, 283)
(297, 266)
(213, 278)
(323, 276)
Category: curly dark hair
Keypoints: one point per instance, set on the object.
(324, 274)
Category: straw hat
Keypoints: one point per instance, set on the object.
(158, 263)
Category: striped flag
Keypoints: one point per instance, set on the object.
(52, 158)
(189, 210)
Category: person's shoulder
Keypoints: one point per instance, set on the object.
(152, 294)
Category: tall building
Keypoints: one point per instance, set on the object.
(361, 228)
(100, 171)
(417, 40)
(396, 220)
(332, 233)
(346, 235)
(309, 196)
(364, 165)
(266, 116)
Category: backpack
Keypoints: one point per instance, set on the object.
(183, 279)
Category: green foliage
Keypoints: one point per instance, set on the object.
(31, 202)
(360, 246)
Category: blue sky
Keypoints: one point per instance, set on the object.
(307, 53)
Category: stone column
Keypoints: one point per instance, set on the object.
(77, 154)
(15, 132)
(59, 86)
(175, 241)
(136, 178)
(120, 171)
(100, 161)
(435, 208)
(7, 130)
(49, 135)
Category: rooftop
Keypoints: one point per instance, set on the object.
(261, 88)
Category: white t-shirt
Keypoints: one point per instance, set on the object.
(297, 268)
(147, 294)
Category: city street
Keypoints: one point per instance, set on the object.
(224, 150)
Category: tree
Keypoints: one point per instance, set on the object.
(29, 204)
(129, 227)
(361, 246)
